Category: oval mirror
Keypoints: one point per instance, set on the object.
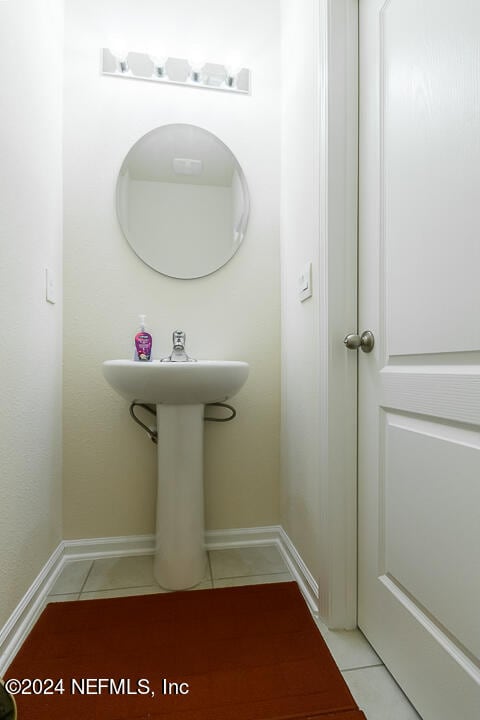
(182, 201)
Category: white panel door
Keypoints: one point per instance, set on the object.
(419, 390)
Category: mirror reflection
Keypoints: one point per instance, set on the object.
(182, 201)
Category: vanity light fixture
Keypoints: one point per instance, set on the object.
(177, 71)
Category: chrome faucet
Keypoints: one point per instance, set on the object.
(178, 353)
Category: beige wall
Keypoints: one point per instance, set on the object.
(319, 222)
(109, 479)
(301, 322)
(30, 240)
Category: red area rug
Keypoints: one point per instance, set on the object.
(244, 653)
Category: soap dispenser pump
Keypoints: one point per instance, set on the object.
(143, 343)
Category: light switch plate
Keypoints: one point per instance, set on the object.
(305, 282)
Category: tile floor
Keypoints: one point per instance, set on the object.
(370, 683)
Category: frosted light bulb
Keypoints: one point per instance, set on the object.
(197, 65)
(233, 69)
(117, 43)
(120, 56)
(232, 72)
(197, 62)
(159, 62)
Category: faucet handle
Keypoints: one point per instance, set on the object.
(178, 339)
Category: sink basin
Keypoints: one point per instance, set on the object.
(180, 383)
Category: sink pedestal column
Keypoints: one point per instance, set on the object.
(180, 557)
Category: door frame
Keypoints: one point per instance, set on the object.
(338, 241)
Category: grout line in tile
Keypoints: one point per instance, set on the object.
(243, 577)
(129, 587)
(86, 578)
(51, 595)
(210, 566)
(237, 577)
(362, 667)
(122, 587)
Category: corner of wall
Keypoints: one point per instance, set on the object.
(31, 231)
(319, 222)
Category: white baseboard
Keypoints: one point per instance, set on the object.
(95, 548)
(306, 582)
(28, 609)
(31, 605)
(241, 537)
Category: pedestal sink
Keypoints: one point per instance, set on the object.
(179, 390)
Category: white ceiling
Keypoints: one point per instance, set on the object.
(151, 158)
